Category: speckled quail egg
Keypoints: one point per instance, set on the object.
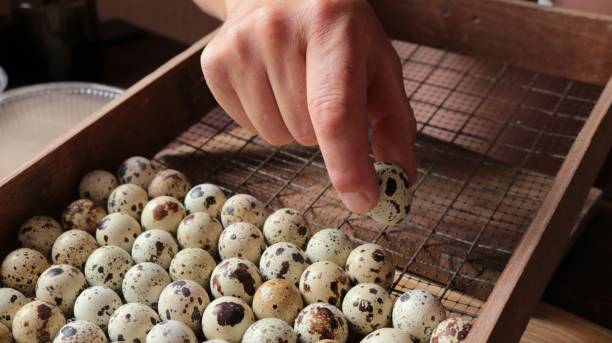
(367, 307)
(60, 285)
(163, 213)
(243, 208)
(185, 301)
(417, 313)
(451, 330)
(387, 335)
(73, 247)
(235, 277)
(131, 323)
(171, 331)
(20, 269)
(286, 225)
(329, 245)
(283, 261)
(106, 266)
(129, 199)
(199, 230)
(242, 240)
(227, 318)
(5, 334)
(321, 321)
(11, 300)
(97, 185)
(83, 214)
(37, 321)
(80, 331)
(192, 264)
(96, 304)
(205, 197)
(269, 330)
(169, 182)
(118, 229)
(39, 233)
(277, 298)
(324, 282)
(144, 282)
(156, 246)
(136, 170)
(370, 263)
(394, 197)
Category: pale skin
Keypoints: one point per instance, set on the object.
(316, 72)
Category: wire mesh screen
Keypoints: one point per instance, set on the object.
(491, 138)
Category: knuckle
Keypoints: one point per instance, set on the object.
(209, 63)
(272, 25)
(327, 111)
(345, 180)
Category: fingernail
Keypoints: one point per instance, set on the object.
(356, 202)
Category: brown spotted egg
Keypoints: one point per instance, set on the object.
(131, 323)
(417, 313)
(163, 213)
(20, 269)
(277, 298)
(243, 208)
(96, 304)
(97, 185)
(199, 230)
(286, 225)
(227, 318)
(80, 331)
(321, 321)
(169, 182)
(206, 198)
(235, 277)
(367, 307)
(283, 261)
(37, 321)
(73, 247)
(136, 170)
(60, 285)
(370, 263)
(11, 300)
(106, 266)
(329, 245)
(395, 196)
(144, 282)
(129, 199)
(39, 233)
(242, 240)
(324, 282)
(118, 229)
(83, 214)
(451, 330)
(185, 301)
(171, 331)
(387, 335)
(269, 330)
(5, 334)
(156, 246)
(192, 264)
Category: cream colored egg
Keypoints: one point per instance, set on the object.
(320, 321)
(171, 331)
(243, 208)
(163, 213)
(73, 247)
(129, 199)
(283, 261)
(83, 214)
(169, 182)
(367, 307)
(11, 300)
(60, 285)
(199, 230)
(96, 304)
(107, 266)
(156, 246)
(118, 229)
(452, 330)
(395, 195)
(192, 264)
(370, 263)
(324, 282)
(329, 245)
(387, 335)
(235, 277)
(136, 170)
(206, 198)
(144, 282)
(269, 330)
(286, 225)
(20, 269)
(80, 331)
(417, 313)
(39, 233)
(185, 301)
(37, 321)
(277, 298)
(227, 318)
(242, 240)
(97, 185)
(131, 323)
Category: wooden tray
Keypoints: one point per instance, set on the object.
(513, 128)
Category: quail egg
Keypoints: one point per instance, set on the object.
(269, 330)
(277, 298)
(192, 264)
(227, 318)
(37, 321)
(171, 331)
(118, 229)
(207, 198)
(199, 230)
(370, 263)
(242, 240)
(106, 266)
(451, 330)
(286, 225)
(131, 323)
(155, 246)
(73, 247)
(83, 214)
(329, 245)
(395, 196)
(243, 208)
(5, 334)
(169, 182)
(283, 261)
(129, 199)
(164, 213)
(11, 300)
(39, 233)
(324, 282)
(80, 331)
(136, 170)
(387, 335)
(144, 282)
(96, 304)
(20, 269)
(417, 313)
(216, 341)
(321, 321)
(97, 185)
(235, 277)
(367, 307)
(60, 285)
(185, 301)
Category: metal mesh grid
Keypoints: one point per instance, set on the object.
(491, 138)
